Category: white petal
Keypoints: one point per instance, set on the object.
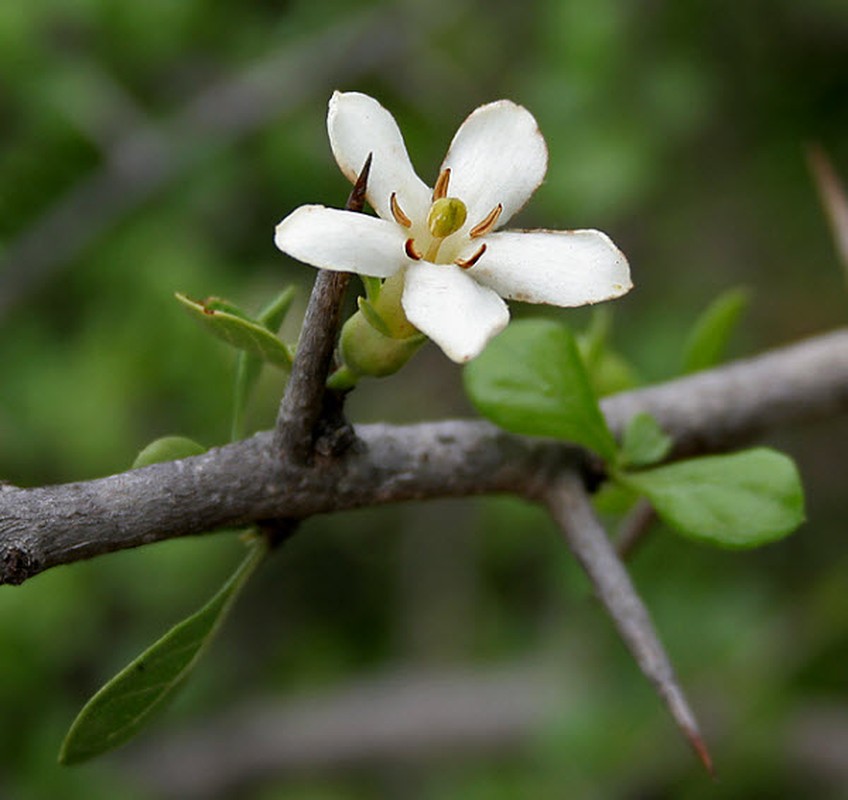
(563, 268)
(497, 156)
(359, 125)
(342, 240)
(458, 314)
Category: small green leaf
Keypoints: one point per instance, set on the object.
(373, 317)
(168, 448)
(248, 369)
(643, 443)
(272, 316)
(593, 341)
(241, 333)
(372, 287)
(608, 371)
(531, 380)
(219, 304)
(741, 500)
(711, 333)
(126, 703)
(249, 365)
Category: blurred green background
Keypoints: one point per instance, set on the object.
(148, 148)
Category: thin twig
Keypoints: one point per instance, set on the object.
(634, 528)
(568, 502)
(303, 402)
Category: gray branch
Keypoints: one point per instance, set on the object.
(246, 482)
(305, 403)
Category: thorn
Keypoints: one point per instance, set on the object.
(356, 199)
(703, 754)
(833, 198)
(569, 505)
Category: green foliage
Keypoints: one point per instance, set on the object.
(531, 380)
(168, 448)
(711, 332)
(230, 324)
(372, 315)
(249, 364)
(608, 370)
(741, 500)
(129, 701)
(643, 443)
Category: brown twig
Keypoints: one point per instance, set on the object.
(569, 505)
(303, 403)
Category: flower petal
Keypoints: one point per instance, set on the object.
(359, 125)
(563, 268)
(497, 156)
(328, 238)
(458, 314)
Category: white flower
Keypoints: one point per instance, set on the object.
(443, 242)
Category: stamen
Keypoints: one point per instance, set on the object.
(440, 190)
(397, 212)
(411, 251)
(488, 222)
(467, 263)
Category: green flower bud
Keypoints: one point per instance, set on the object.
(366, 351)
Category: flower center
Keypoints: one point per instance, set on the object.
(446, 216)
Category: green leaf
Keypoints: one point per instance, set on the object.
(272, 316)
(127, 703)
(741, 500)
(592, 342)
(608, 371)
(371, 314)
(372, 287)
(643, 443)
(249, 365)
(248, 369)
(711, 333)
(219, 304)
(241, 333)
(531, 380)
(168, 448)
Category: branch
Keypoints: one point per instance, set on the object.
(245, 482)
(303, 404)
